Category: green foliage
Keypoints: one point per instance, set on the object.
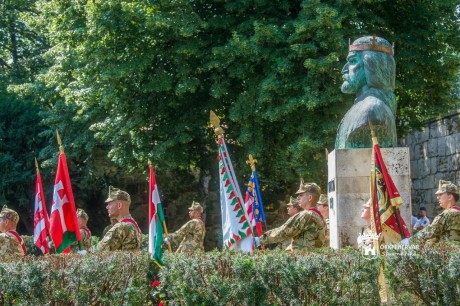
(128, 81)
(273, 278)
(425, 276)
(429, 275)
(105, 279)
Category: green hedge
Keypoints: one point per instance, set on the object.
(427, 276)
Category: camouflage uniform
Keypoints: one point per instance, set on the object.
(10, 241)
(305, 229)
(323, 201)
(191, 234)
(85, 234)
(122, 236)
(9, 245)
(446, 226)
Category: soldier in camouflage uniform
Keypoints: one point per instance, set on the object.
(191, 234)
(446, 226)
(125, 234)
(293, 207)
(305, 229)
(323, 208)
(85, 233)
(10, 241)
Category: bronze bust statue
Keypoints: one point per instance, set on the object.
(370, 74)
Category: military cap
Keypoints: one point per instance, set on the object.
(322, 199)
(196, 206)
(367, 204)
(447, 186)
(422, 208)
(117, 194)
(309, 187)
(9, 214)
(82, 214)
(292, 202)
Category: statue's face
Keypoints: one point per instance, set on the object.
(353, 74)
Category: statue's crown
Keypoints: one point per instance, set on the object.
(373, 46)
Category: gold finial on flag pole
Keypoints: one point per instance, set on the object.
(36, 165)
(252, 162)
(371, 127)
(215, 122)
(61, 148)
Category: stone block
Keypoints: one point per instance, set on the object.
(424, 134)
(442, 164)
(423, 167)
(433, 162)
(435, 132)
(441, 147)
(432, 147)
(450, 144)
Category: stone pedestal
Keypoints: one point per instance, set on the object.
(349, 188)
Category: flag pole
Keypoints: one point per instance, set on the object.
(383, 292)
(164, 227)
(61, 151)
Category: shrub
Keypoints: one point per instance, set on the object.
(274, 277)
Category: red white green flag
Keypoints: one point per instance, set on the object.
(156, 219)
(63, 221)
(41, 220)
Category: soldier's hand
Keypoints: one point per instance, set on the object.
(405, 241)
(166, 240)
(82, 252)
(256, 241)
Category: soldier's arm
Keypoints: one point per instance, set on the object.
(434, 230)
(112, 240)
(182, 232)
(291, 228)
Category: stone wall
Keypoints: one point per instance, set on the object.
(434, 155)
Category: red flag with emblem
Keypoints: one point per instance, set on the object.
(63, 221)
(41, 221)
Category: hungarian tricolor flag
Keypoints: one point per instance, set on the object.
(41, 221)
(63, 221)
(156, 219)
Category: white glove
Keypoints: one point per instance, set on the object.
(50, 244)
(405, 241)
(166, 240)
(256, 241)
(360, 239)
(82, 252)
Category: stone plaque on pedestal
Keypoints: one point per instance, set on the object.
(349, 188)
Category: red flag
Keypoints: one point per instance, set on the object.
(41, 221)
(386, 201)
(63, 221)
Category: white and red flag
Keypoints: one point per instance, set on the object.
(41, 221)
(63, 221)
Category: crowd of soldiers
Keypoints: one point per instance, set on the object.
(306, 228)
